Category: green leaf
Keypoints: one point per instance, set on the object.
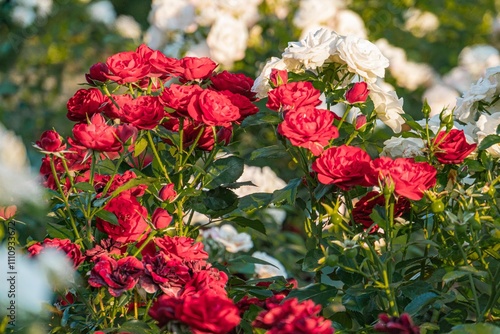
(215, 202)
(140, 146)
(133, 183)
(453, 275)
(135, 326)
(85, 186)
(108, 216)
(475, 329)
(250, 223)
(58, 231)
(489, 141)
(263, 117)
(223, 171)
(319, 293)
(311, 260)
(249, 259)
(288, 193)
(254, 201)
(420, 302)
(270, 152)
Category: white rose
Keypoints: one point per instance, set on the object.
(399, 147)
(312, 51)
(347, 22)
(261, 84)
(315, 12)
(396, 56)
(275, 268)
(362, 57)
(487, 125)
(477, 58)
(264, 179)
(413, 75)
(102, 11)
(387, 106)
(227, 40)
(227, 235)
(458, 78)
(420, 23)
(23, 16)
(466, 109)
(128, 27)
(172, 15)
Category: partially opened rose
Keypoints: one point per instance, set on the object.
(452, 147)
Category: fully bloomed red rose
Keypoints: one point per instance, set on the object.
(72, 250)
(452, 147)
(162, 272)
(208, 278)
(96, 135)
(407, 177)
(120, 179)
(357, 93)
(364, 208)
(292, 96)
(344, 166)
(51, 141)
(126, 67)
(177, 97)
(144, 112)
(244, 104)
(118, 276)
(197, 68)
(213, 108)
(309, 127)
(236, 83)
(85, 103)
(182, 248)
(131, 215)
(292, 317)
(161, 66)
(97, 74)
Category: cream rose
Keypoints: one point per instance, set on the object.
(387, 106)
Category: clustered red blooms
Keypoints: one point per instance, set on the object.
(396, 325)
(452, 147)
(65, 245)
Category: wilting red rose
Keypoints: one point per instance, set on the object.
(118, 276)
(177, 97)
(244, 104)
(292, 96)
(357, 93)
(213, 108)
(182, 248)
(161, 66)
(132, 225)
(167, 192)
(293, 317)
(85, 103)
(452, 147)
(236, 83)
(7, 212)
(344, 166)
(96, 135)
(97, 74)
(162, 272)
(278, 77)
(161, 218)
(144, 112)
(408, 178)
(396, 325)
(364, 208)
(51, 141)
(309, 127)
(126, 67)
(72, 250)
(197, 68)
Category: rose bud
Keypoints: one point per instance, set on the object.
(278, 77)
(161, 218)
(50, 141)
(7, 212)
(358, 93)
(167, 193)
(360, 122)
(97, 74)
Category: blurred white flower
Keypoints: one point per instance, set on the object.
(477, 58)
(275, 268)
(362, 57)
(387, 106)
(128, 27)
(312, 51)
(414, 75)
(23, 16)
(227, 40)
(17, 183)
(154, 37)
(172, 15)
(396, 56)
(103, 12)
(467, 109)
(229, 237)
(315, 12)
(281, 8)
(439, 97)
(198, 50)
(459, 78)
(399, 147)
(420, 23)
(264, 179)
(487, 125)
(347, 22)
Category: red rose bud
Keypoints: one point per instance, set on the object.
(167, 193)
(97, 74)
(50, 141)
(358, 93)
(161, 218)
(360, 122)
(278, 77)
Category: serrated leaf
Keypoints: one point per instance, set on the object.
(58, 231)
(108, 216)
(270, 152)
(288, 193)
(419, 302)
(319, 293)
(250, 223)
(263, 117)
(135, 326)
(254, 201)
(488, 141)
(223, 171)
(215, 202)
(453, 275)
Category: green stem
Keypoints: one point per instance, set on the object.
(157, 156)
(145, 243)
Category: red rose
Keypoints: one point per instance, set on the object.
(400, 325)
(72, 250)
(344, 166)
(177, 97)
(115, 109)
(182, 248)
(236, 83)
(292, 96)
(197, 68)
(144, 112)
(213, 108)
(293, 317)
(364, 208)
(85, 103)
(360, 122)
(408, 178)
(161, 66)
(97, 74)
(132, 225)
(162, 272)
(357, 93)
(7, 212)
(120, 179)
(245, 106)
(51, 141)
(161, 218)
(96, 135)
(452, 147)
(309, 127)
(118, 276)
(208, 278)
(278, 77)
(126, 67)
(167, 192)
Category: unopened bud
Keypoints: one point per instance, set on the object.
(278, 77)
(358, 93)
